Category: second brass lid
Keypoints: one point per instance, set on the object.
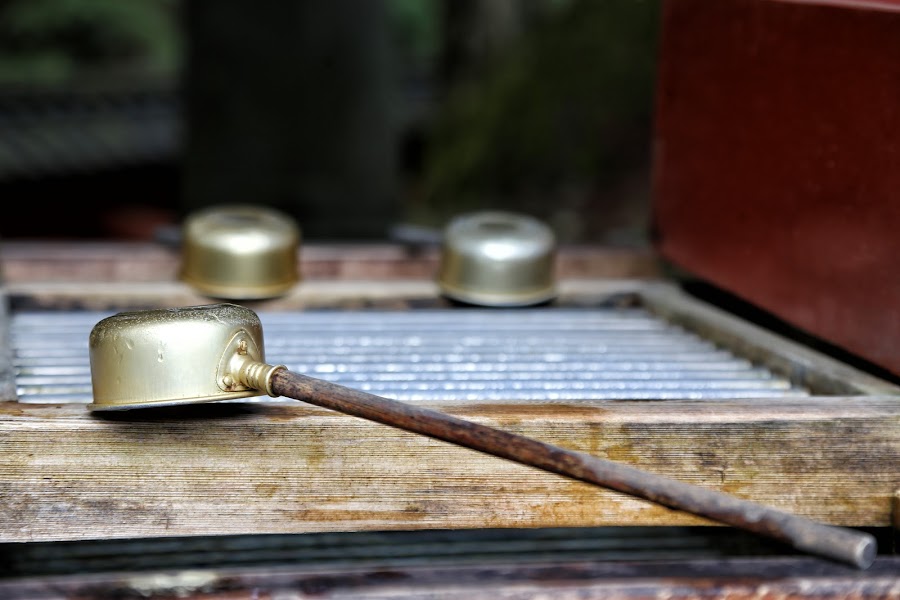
(498, 258)
(240, 252)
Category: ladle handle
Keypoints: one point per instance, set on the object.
(841, 544)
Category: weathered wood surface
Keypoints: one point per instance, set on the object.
(239, 468)
(841, 544)
(23, 261)
(710, 579)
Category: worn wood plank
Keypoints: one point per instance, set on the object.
(250, 468)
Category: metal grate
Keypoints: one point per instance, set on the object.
(549, 354)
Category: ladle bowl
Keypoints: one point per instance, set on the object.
(174, 356)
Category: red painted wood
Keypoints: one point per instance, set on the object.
(777, 160)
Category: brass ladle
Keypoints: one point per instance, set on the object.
(215, 352)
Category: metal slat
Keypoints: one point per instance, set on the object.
(471, 355)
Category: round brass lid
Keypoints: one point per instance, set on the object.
(498, 258)
(240, 252)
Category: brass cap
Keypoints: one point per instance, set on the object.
(498, 258)
(240, 252)
(171, 356)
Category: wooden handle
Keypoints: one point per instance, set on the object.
(841, 544)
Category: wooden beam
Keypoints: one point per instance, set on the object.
(284, 468)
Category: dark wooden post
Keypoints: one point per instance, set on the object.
(288, 104)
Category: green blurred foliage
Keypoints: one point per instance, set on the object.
(415, 28)
(568, 106)
(55, 41)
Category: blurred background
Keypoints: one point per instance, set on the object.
(374, 120)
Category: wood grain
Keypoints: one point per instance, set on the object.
(837, 543)
(251, 468)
